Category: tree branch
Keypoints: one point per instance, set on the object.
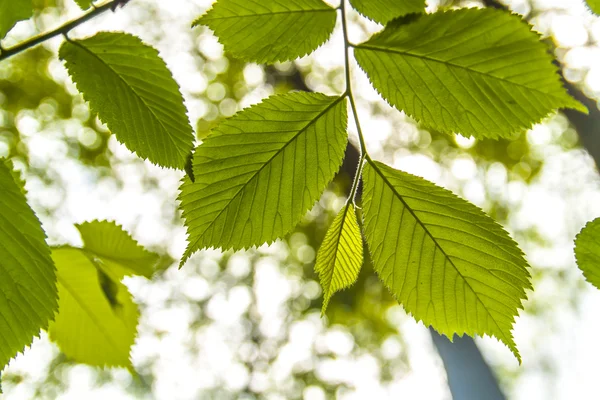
(61, 30)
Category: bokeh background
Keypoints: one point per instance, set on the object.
(247, 325)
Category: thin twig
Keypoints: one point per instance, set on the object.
(61, 30)
(361, 139)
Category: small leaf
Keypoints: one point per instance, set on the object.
(594, 5)
(444, 260)
(260, 171)
(97, 319)
(478, 72)
(84, 4)
(265, 31)
(587, 252)
(383, 11)
(130, 88)
(28, 294)
(13, 11)
(341, 254)
(117, 249)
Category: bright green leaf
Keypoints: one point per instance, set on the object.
(97, 319)
(28, 296)
(265, 31)
(13, 11)
(587, 252)
(594, 5)
(341, 254)
(130, 88)
(383, 11)
(119, 251)
(260, 171)
(84, 4)
(479, 72)
(444, 260)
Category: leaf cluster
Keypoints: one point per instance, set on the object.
(478, 72)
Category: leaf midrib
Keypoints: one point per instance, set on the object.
(136, 94)
(447, 63)
(410, 210)
(255, 174)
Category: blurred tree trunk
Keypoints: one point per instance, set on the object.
(469, 376)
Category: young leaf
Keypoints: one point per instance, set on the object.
(341, 254)
(13, 11)
(97, 319)
(28, 295)
(594, 5)
(117, 249)
(130, 88)
(260, 171)
(479, 72)
(84, 4)
(587, 252)
(265, 31)
(383, 11)
(444, 260)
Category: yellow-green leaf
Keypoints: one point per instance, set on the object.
(261, 170)
(97, 319)
(28, 297)
(119, 251)
(131, 89)
(478, 72)
(587, 252)
(383, 11)
(594, 5)
(341, 254)
(445, 260)
(265, 31)
(13, 11)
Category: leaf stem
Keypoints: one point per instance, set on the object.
(361, 139)
(61, 30)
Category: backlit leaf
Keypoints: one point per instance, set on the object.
(265, 31)
(118, 249)
(478, 72)
(260, 171)
(341, 254)
(594, 5)
(28, 297)
(97, 319)
(444, 260)
(130, 88)
(587, 252)
(13, 11)
(84, 4)
(383, 11)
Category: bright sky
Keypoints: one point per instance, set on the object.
(566, 194)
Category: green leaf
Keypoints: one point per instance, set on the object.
(587, 252)
(84, 4)
(594, 5)
(97, 319)
(13, 11)
(260, 171)
(28, 295)
(341, 254)
(478, 72)
(119, 251)
(265, 31)
(444, 260)
(130, 88)
(383, 11)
